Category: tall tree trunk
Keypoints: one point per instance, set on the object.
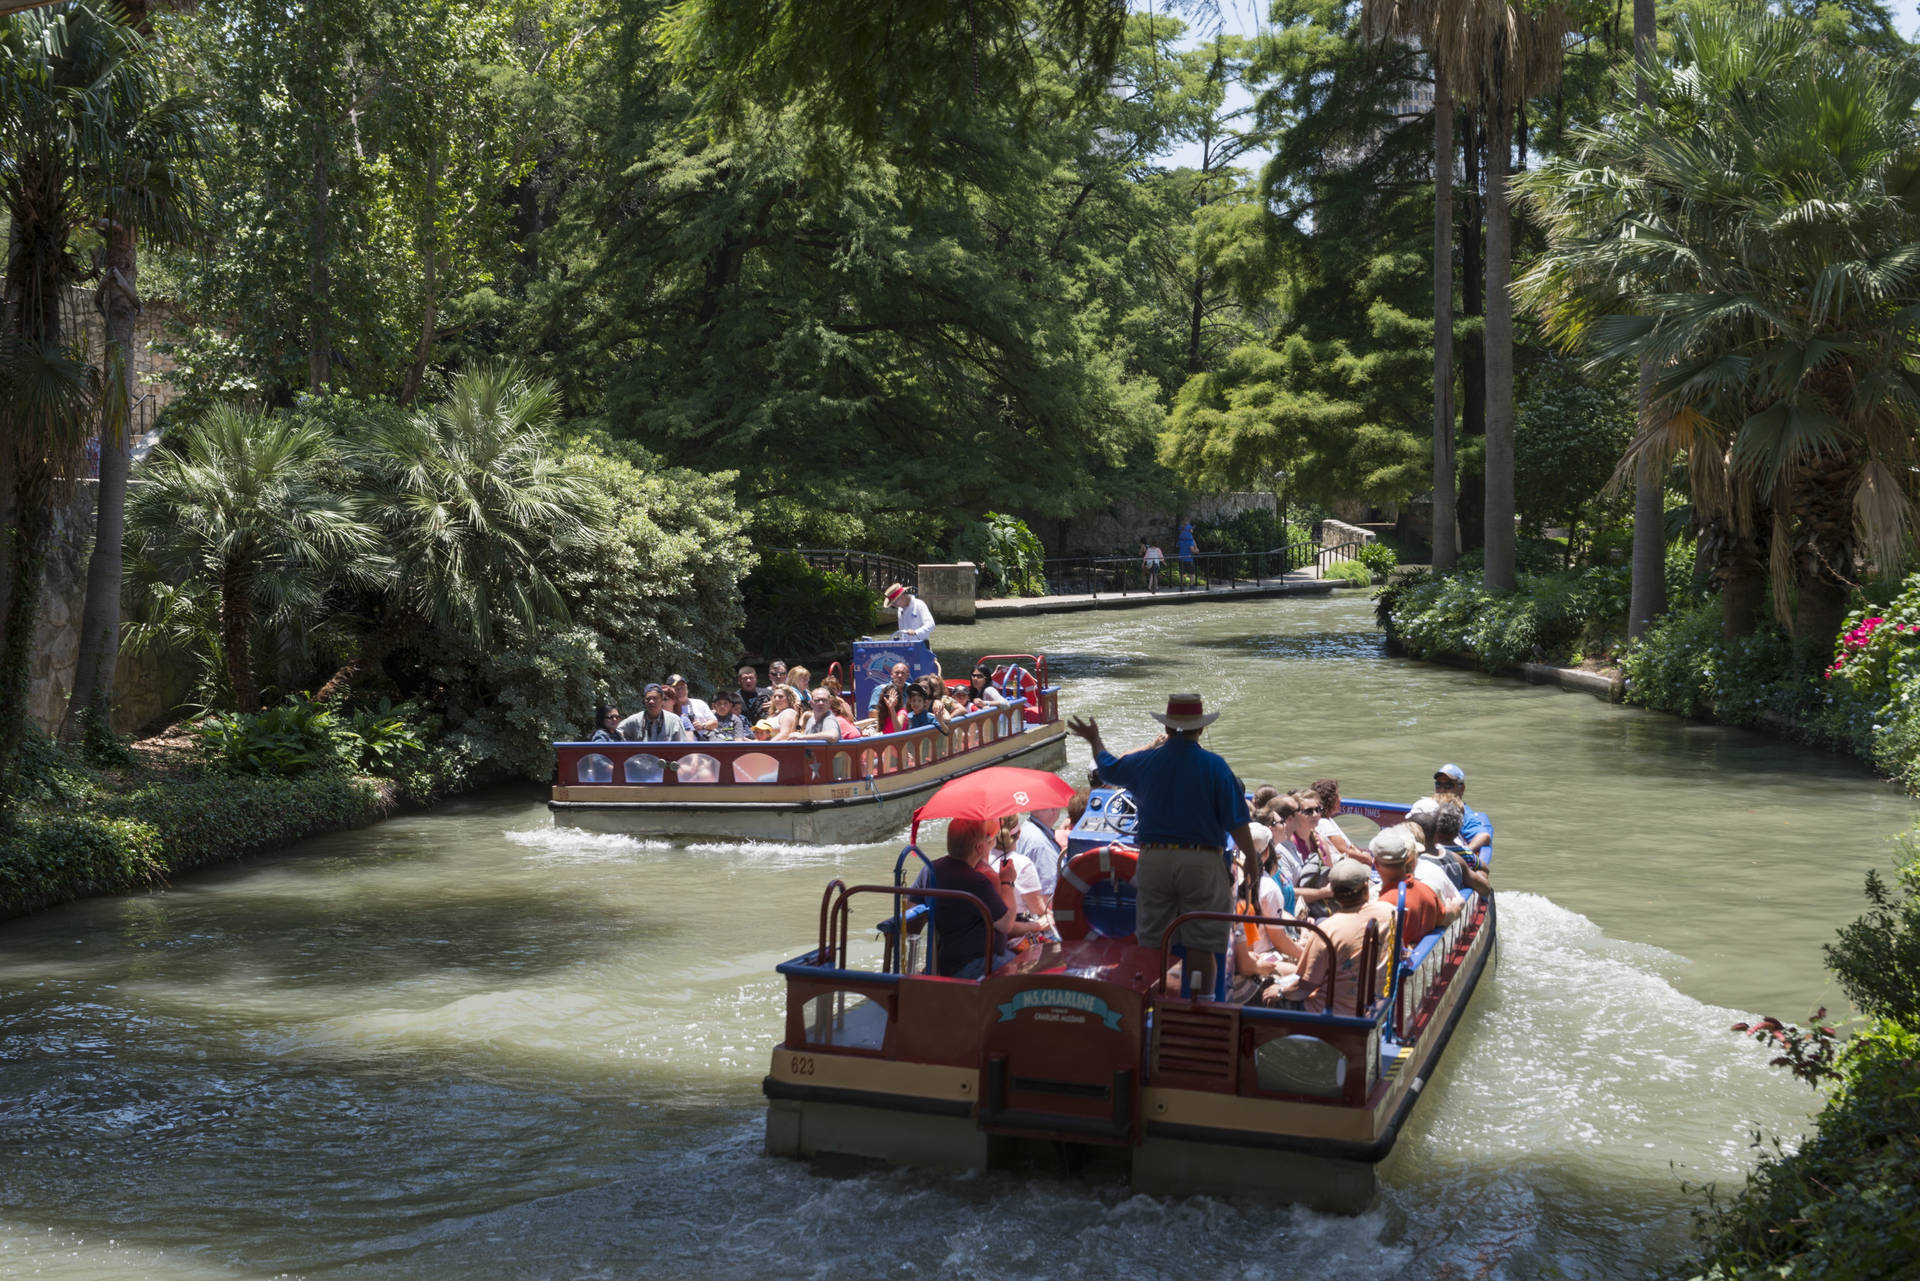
(430, 256)
(396, 627)
(1741, 568)
(28, 535)
(90, 706)
(1499, 573)
(236, 630)
(1471, 506)
(1444, 549)
(1649, 596)
(320, 193)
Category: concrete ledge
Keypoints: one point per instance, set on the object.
(1025, 606)
(1608, 685)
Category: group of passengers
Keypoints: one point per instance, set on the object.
(792, 707)
(1012, 869)
(1312, 872)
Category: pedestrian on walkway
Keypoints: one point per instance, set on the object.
(1189, 546)
(1151, 559)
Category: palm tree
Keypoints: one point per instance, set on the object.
(1435, 24)
(1498, 55)
(476, 505)
(245, 511)
(151, 190)
(68, 79)
(1648, 599)
(1753, 232)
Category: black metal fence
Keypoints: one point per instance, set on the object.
(1129, 575)
(876, 571)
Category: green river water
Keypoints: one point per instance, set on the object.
(466, 1044)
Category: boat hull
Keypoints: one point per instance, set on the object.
(852, 812)
(1315, 1152)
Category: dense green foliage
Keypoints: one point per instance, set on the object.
(796, 610)
(1348, 571)
(1555, 617)
(1010, 556)
(1379, 558)
(1843, 1203)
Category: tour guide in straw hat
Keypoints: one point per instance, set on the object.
(916, 620)
(1188, 801)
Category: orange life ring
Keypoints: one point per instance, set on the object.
(1010, 678)
(1094, 897)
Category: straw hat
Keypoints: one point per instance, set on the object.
(895, 592)
(1185, 712)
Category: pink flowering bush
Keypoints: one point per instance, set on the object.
(1878, 653)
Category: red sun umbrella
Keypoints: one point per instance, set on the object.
(994, 792)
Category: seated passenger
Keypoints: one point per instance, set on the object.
(783, 709)
(842, 712)
(606, 725)
(697, 715)
(1301, 862)
(728, 724)
(1272, 898)
(763, 730)
(1328, 790)
(889, 710)
(946, 708)
(802, 681)
(658, 723)
(776, 672)
(919, 710)
(1394, 854)
(1476, 829)
(1422, 821)
(980, 690)
(1253, 973)
(899, 674)
(1447, 832)
(963, 948)
(1029, 895)
(820, 721)
(1336, 973)
(1263, 797)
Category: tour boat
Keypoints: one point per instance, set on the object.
(1083, 1043)
(848, 792)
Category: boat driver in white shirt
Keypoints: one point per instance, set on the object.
(916, 620)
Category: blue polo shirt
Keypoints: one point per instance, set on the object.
(1185, 794)
(1473, 823)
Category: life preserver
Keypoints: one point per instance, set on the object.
(1095, 895)
(1015, 681)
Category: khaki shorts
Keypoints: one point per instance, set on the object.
(1170, 882)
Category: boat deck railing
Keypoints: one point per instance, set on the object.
(795, 762)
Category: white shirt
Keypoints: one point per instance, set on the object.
(1435, 878)
(1153, 557)
(1330, 829)
(1026, 878)
(916, 620)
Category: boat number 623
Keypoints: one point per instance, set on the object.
(801, 1065)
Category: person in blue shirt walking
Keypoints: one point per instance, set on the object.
(1188, 545)
(1188, 802)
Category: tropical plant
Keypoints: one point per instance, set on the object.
(476, 508)
(293, 737)
(66, 79)
(1379, 558)
(243, 508)
(1010, 555)
(150, 191)
(1750, 232)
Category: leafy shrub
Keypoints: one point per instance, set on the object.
(1010, 556)
(1843, 1204)
(1379, 558)
(1348, 571)
(1551, 618)
(793, 608)
(292, 738)
(1568, 435)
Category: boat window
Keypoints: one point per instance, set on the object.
(973, 734)
(869, 763)
(595, 768)
(1301, 1065)
(891, 761)
(699, 768)
(756, 767)
(926, 750)
(847, 1020)
(1005, 727)
(958, 740)
(842, 765)
(645, 768)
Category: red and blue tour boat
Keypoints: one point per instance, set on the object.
(1084, 1043)
(848, 792)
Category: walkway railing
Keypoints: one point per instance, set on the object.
(876, 571)
(1126, 575)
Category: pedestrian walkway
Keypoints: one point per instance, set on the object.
(1301, 582)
